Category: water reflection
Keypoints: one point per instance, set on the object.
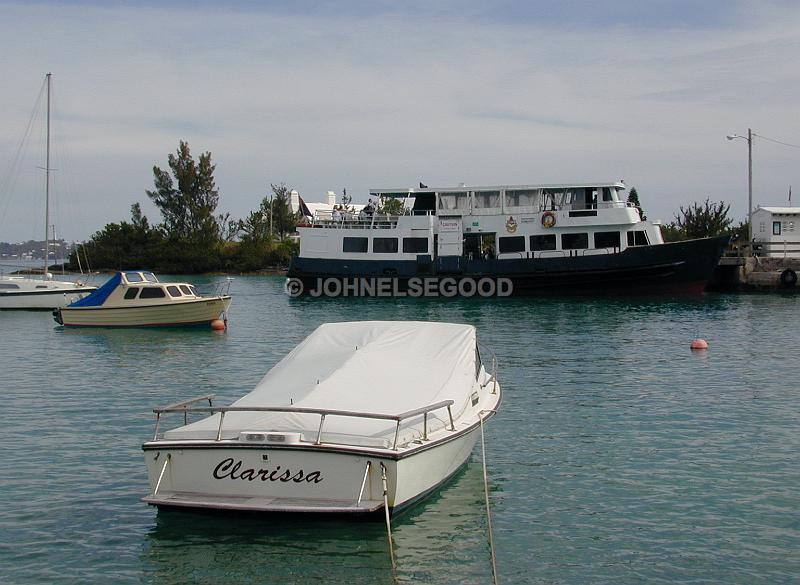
(445, 534)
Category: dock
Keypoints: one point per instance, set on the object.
(755, 274)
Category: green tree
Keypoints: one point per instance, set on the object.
(284, 220)
(703, 221)
(346, 200)
(633, 197)
(391, 206)
(256, 239)
(672, 233)
(187, 199)
(123, 245)
(188, 209)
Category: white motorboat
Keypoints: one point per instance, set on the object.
(359, 417)
(18, 292)
(135, 298)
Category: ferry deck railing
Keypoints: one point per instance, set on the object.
(185, 408)
(361, 220)
(375, 220)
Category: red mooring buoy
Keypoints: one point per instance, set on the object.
(699, 344)
(218, 325)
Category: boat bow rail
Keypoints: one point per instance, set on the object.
(186, 408)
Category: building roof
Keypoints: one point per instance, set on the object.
(781, 210)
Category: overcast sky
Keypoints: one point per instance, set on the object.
(368, 94)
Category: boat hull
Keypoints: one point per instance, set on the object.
(314, 479)
(664, 268)
(42, 300)
(171, 314)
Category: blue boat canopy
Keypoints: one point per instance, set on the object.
(99, 296)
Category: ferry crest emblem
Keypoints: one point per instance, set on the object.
(511, 224)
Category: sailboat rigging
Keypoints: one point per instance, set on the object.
(17, 292)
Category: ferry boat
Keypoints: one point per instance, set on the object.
(535, 239)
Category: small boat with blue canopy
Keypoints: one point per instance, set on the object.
(136, 298)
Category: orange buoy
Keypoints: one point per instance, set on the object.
(218, 325)
(699, 344)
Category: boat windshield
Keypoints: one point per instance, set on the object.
(149, 277)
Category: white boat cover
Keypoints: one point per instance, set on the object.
(383, 367)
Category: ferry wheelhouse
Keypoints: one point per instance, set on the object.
(564, 238)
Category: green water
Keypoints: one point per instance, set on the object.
(619, 456)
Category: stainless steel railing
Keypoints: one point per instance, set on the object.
(185, 408)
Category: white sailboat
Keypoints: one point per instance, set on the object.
(22, 292)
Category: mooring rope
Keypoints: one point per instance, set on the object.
(161, 475)
(388, 521)
(486, 494)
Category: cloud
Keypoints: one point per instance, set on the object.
(358, 95)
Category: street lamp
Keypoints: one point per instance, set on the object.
(749, 139)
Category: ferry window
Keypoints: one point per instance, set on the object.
(174, 291)
(384, 245)
(521, 197)
(149, 277)
(776, 228)
(607, 194)
(484, 199)
(553, 199)
(606, 240)
(131, 293)
(572, 196)
(186, 290)
(41, 286)
(637, 238)
(134, 277)
(591, 197)
(152, 292)
(512, 244)
(453, 201)
(424, 202)
(546, 242)
(9, 285)
(415, 245)
(193, 291)
(574, 241)
(355, 244)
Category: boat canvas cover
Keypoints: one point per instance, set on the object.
(99, 296)
(373, 367)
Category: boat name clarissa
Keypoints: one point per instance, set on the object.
(231, 469)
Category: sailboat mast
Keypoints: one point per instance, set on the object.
(47, 186)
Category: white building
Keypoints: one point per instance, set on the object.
(776, 230)
(318, 209)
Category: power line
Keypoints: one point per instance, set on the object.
(777, 141)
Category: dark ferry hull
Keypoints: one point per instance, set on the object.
(677, 267)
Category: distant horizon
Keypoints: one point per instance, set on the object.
(355, 94)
